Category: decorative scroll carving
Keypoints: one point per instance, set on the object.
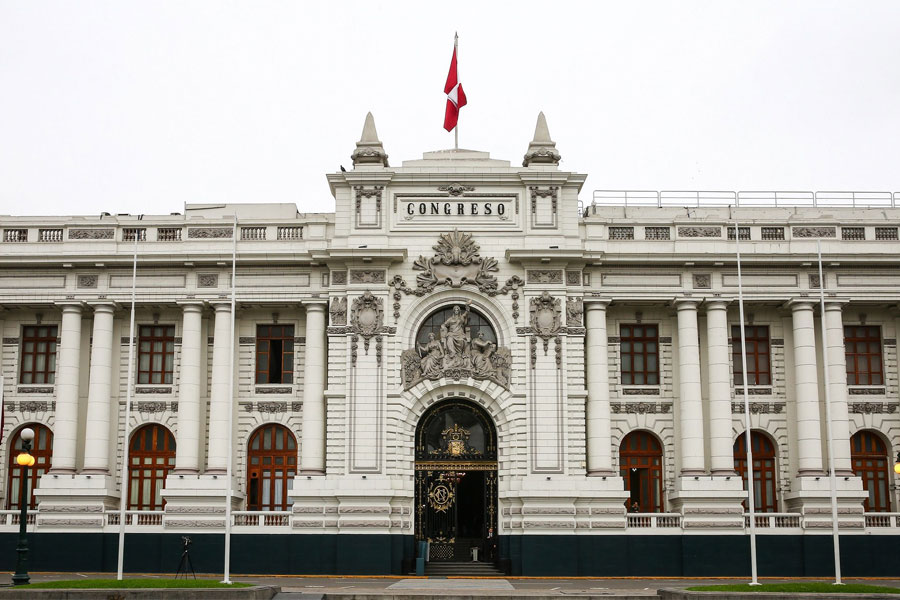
(242, 341)
(71, 522)
(550, 192)
(150, 407)
(814, 282)
(871, 391)
(702, 281)
(455, 355)
(574, 312)
(545, 276)
(274, 390)
(152, 390)
(207, 280)
(573, 278)
(10, 341)
(33, 406)
(87, 281)
(371, 276)
(456, 263)
(546, 315)
(868, 408)
(640, 392)
(271, 407)
(361, 192)
(758, 408)
(339, 277)
(456, 189)
(35, 390)
(641, 408)
(209, 233)
(338, 311)
(92, 234)
(700, 232)
(813, 232)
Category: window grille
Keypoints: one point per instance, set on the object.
(885, 233)
(50, 235)
(253, 233)
(657, 233)
(290, 233)
(853, 233)
(772, 233)
(744, 233)
(621, 233)
(20, 235)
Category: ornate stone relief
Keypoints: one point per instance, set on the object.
(338, 311)
(813, 232)
(87, 281)
(546, 315)
(700, 232)
(151, 407)
(757, 408)
(339, 277)
(574, 312)
(209, 232)
(152, 390)
(868, 408)
(366, 320)
(362, 192)
(550, 192)
(92, 234)
(573, 278)
(358, 276)
(867, 391)
(456, 189)
(545, 276)
(814, 281)
(702, 281)
(207, 280)
(455, 355)
(641, 408)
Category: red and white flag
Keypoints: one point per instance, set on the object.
(456, 97)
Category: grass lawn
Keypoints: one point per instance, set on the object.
(130, 583)
(799, 588)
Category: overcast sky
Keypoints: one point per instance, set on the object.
(142, 106)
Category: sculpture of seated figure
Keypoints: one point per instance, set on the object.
(432, 357)
(481, 355)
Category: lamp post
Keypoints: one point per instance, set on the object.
(24, 460)
(897, 465)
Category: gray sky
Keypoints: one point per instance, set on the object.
(142, 106)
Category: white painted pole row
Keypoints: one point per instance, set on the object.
(229, 435)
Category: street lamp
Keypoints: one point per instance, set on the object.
(24, 460)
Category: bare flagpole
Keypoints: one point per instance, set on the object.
(228, 469)
(456, 52)
(825, 380)
(751, 491)
(124, 492)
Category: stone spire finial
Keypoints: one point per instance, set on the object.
(369, 150)
(541, 150)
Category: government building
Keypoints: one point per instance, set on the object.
(463, 354)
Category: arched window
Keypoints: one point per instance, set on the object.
(871, 462)
(272, 458)
(152, 456)
(765, 477)
(42, 451)
(476, 323)
(640, 464)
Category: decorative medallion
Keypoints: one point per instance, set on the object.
(456, 189)
(456, 263)
(366, 319)
(455, 443)
(440, 496)
(546, 315)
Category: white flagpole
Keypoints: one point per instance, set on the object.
(751, 505)
(833, 480)
(123, 486)
(456, 53)
(228, 469)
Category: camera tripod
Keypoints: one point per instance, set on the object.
(185, 563)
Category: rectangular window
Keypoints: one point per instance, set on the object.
(639, 347)
(885, 233)
(656, 233)
(744, 233)
(156, 353)
(38, 364)
(772, 233)
(274, 354)
(758, 364)
(621, 233)
(853, 233)
(862, 348)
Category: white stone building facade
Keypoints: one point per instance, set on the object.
(605, 390)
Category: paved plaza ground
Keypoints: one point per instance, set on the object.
(299, 587)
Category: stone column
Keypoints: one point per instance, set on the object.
(690, 405)
(836, 363)
(219, 397)
(721, 449)
(312, 454)
(187, 459)
(96, 443)
(806, 390)
(65, 429)
(599, 455)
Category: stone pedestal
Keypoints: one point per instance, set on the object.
(198, 501)
(68, 500)
(561, 504)
(811, 496)
(351, 504)
(709, 502)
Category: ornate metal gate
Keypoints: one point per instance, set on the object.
(456, 482)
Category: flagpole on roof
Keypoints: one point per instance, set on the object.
(456, 52)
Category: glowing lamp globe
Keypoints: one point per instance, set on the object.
(25, 460)
(30, 461)
(897, 468)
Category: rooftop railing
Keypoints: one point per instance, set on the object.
(714, 198)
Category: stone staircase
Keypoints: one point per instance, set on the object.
(462, 569)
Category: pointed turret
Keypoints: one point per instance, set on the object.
(541, 150)
(369, 150)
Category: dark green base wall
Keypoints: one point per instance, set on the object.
(536, 555)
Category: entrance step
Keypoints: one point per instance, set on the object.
(469, 568)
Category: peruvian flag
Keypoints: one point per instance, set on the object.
(456, 97)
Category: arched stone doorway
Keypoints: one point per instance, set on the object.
(456, 482)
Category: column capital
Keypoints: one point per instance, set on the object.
(70, 306)
(716, 303)
(315, 304)
(685, 303)
(837, 304)
(194, 305)
(105, 306)
(223, 306)
(796, 304)
(596, 303)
